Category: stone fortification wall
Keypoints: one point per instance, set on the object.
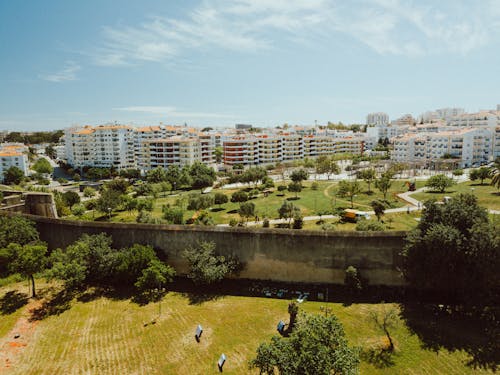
(269, 254)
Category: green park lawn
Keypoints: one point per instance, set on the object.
(488, 196)
(309, 201)
(108, 336)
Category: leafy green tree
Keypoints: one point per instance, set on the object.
(88, 192)
(458, 172)
(299, 175)
(439, 183)
(385, 320)
(202, 175)
(143, 189)
(218, 153)
(220, 198)
(368, 175)
(495, 173)
(108, 201)
(118, 184)
(326, 164)
(13, 176)
(42, 165)
(155, 275)
(480, 174)
(352, 280)
(205, 266)
(348, 189)
(378, 207)
(247, 210)
(239, 196)
(145, 204)
(316, 346)
(288, 210)
(383, 184)
(78, 210)
(130, 173)
(454, 250)
(17, 229)
(89, 260)
(70, 198)
(253, 175)
(200, 201)
(173, 215)
(28, 260)
(295, 187)
(156, 175)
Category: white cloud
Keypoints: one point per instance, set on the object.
(389, 27)
(68, 73)
(172, 112)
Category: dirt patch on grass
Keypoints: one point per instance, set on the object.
(14, 342)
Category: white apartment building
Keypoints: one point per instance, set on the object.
(377, 119)
(13, 155)
(489, 119)
(102, 146)
(242, 149)
(469, 146)
(175, 150)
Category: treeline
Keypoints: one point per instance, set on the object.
(34, 137)
(92, 260)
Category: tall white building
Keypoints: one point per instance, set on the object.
(377, 119)
(102, 146)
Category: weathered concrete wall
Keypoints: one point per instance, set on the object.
(40, 204)
(273, 254)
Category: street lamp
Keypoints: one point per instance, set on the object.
(109, 212)
(472, 190)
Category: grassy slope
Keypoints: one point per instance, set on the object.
(488, 196)
(108, 336)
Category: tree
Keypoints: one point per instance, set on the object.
(480, 174)
(173, 215)
(378, 207)
(299, 175)
(385, 320)
(118, 184)
(253, 175)
(130, 173)
(205, 266)
(325, 164)
(200, 202)
(17, 229)
(88, 192)
(288, 211)
(352, 280)
(70, 198)
(42, 165)
(317, 346)
(154, 276)
(239, 196)
(349, 189)
(368, 175)
(246, 210)
(383, 184)
(28, 260)
(156, 175)
(220, 198)
(108, 201)
(455, 251)
(495, 173)
(13, 176)
(295, 187)
(218, 153)
(439, 182)
(202, 175)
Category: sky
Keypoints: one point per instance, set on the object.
(262, 62)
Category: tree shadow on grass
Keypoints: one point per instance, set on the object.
(200, 298)
(54, 304)
(379, 357)
(12, 301)
(217, 209)
(293, 198)
(477, 332)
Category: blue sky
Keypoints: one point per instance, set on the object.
(218, 62)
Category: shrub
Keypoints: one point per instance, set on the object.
(369, 226)
(314, 186)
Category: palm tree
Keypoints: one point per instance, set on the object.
(495, 173)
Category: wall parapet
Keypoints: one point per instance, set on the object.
(268, 254)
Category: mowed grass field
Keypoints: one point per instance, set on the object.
(108, 336)
(488, 196)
